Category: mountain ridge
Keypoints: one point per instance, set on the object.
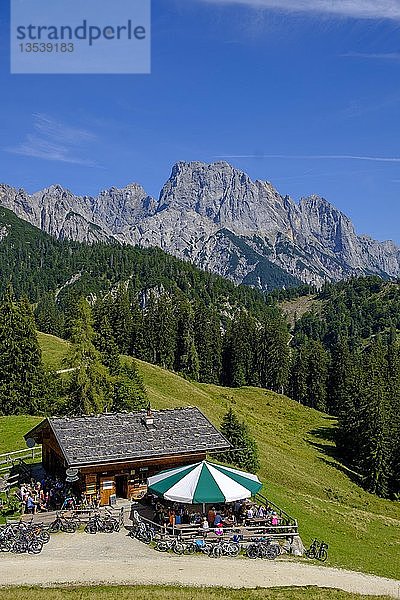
(215, 216)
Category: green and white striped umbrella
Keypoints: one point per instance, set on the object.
(204, 483)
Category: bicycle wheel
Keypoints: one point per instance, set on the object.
(55, 526)
(190, 548)
(310, 553)
(216, 551)
(35, 547)
(5, 546)
(44, 536)
(252, 551)
(162, 546)
(207, 549)
(146, 537)
(269, 553)
(178, 548)
(108, 526)
(323, 555)
(19, 547)
(233, 549)
(91, 528)
(69, 527)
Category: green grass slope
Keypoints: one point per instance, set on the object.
(299, 469)
(175, 593)
(12, 431)
(54, 350)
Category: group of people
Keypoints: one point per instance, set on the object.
(216, 518)
(53, 494)
(40, 496)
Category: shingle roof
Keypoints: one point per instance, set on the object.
(125, 436)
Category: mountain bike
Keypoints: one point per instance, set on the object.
(263, 548)
(317, 550)
(65, 524)
(142, 532)
(174, 544)
(98, 524)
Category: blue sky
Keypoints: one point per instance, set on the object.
(303, 93)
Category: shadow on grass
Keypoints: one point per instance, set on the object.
(329, 449)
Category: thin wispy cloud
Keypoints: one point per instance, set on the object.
(360, 9)
(52, 140)
(395, 56)
(386, 159)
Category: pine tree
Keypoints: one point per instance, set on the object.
(186, 357)
(208, 341)
(239, 357)
(317, 375)
(90, 385)
(120, 319)
(339, 373)
(393, 358)
(274, 354)
(129, 392)
(22, 375)
(349, 399)
(374, 432)
(105, 343)
(159, 332)
(298, 374)
(244, 453)
(48, 316)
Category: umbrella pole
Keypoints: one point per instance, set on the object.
(204, 508)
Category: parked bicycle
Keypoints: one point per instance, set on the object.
(174, 544)
(263, 548)
(318, 550)
(23, 537)
(99, 524)
(65, 524)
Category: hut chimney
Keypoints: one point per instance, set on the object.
(149, 419)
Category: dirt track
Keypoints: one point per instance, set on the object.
(85, 559)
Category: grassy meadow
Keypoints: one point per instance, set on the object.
(299, 467)
(176, 593)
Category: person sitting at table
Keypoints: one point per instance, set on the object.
(218, 518)
(250, 513)
(229, 520)
(205, 527)
(242, 514)
(274, 519)
(211, 516)
(261, 512)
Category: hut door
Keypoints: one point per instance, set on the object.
(107, 488)
(121, 486)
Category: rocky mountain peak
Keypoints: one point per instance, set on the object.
(218, 217)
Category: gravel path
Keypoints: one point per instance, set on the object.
(117, 559)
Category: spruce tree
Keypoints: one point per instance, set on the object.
(48, 316)
(129, 392)
(186, 357)
(208, 341)
(244, 453)
(105, 343)
(317, 375)
(22, 375)
(375, 448)
(298, 374)
(239, 358)
(90, 385)
(393, 359)
(274, 353)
